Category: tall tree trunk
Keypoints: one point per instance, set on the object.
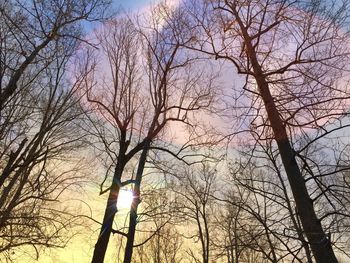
(111, 207)
(135, 203)
(294, 218)
(110, 211)
(320, 244)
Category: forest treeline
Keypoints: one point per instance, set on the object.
(228, 121)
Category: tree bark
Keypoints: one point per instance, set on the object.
(110, 211)
(111, 208)
(136, 201)
(319, 242)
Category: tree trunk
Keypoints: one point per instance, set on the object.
(294, 218)
(136, 201)
(11, 87)
(320, 244)
(110, 211)
(111, 208)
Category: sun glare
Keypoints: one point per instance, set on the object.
(124, 199)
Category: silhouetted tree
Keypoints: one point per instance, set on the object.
(292, 55)
(152, 82)
(39, 115)
(33, 31)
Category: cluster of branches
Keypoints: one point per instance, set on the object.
(39, 115)
(293, 56)
(151, 86)
(145, 92)
(242, 211)
(290, 112)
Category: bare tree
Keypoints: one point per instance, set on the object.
(158, 238)
(40, 140)
(30, 33)
(194, 187)
(292, 55)
(151, 83)
(163, 247)
(39, 115)
(260, 199)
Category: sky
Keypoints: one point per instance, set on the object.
(80, 248)
(135, 5)
(132, 4)
(77, 251)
